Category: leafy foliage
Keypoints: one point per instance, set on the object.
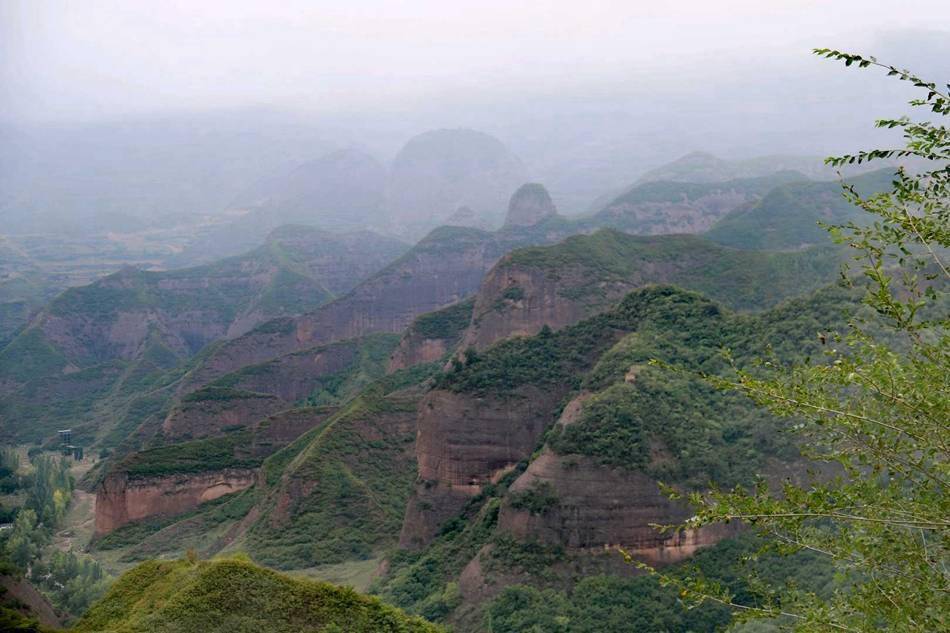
(877, 407)
(611, 604)
(209, 454)
(361, 457)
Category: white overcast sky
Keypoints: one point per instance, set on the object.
(105, 58)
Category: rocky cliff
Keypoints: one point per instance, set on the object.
(432, 336)
(326, 373)
(121, 500)
(561, 284)
(464, 442)
(577, 503)
(445, 267)
(172, 479)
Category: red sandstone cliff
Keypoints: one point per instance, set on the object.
(120, 500)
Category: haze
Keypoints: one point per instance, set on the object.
(184, 104)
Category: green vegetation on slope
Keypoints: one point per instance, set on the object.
(609, 604)
(362, 463)
(235, 596)
(788, 217)
(739, 279)
(670, 426)
(196, 456)
(673, 191)
(448, 323)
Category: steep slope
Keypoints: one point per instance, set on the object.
(339, 492)
(443, 268)
(210, 442)
(562, 284)
(324, 374)
(234, 595)
(22, 607)
(432, 336)
(90, 337)
(439, 171)
(788, 217)
(539, 454)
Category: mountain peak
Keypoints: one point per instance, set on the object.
(530, 204)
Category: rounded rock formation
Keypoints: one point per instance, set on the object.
(529, 205)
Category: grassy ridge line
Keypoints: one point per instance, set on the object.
(236, 596)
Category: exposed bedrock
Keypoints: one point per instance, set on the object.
(120, 500)
(248, 396)
(583, 505)
(464, 442)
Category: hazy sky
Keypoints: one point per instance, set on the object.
(102, 58)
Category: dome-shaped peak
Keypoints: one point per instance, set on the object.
(530, 204)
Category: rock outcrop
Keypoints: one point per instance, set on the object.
(121, 500)
(248, 395)
(432, 336)
(126, 495)
(529, 205)
(464, 442)
(562, 284)
(588, 506)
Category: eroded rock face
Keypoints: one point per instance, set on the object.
(516, 300)
(201, 418)
(121, 500)
(530, 204)
(592, 507)
(687, 215)
(253, 395)
(464, 442)
(415, 350)
(436, 274)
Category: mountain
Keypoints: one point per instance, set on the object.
(439, 171)
(365, 447)
(529, 205)
(703, 167)
(24, 288)
(341, 191)
(788, 216)
(235, 595)
(541, 454)
(92, 336)
(667, 206)
(443, 268)
(558, 285)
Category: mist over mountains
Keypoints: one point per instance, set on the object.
(384, 317)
